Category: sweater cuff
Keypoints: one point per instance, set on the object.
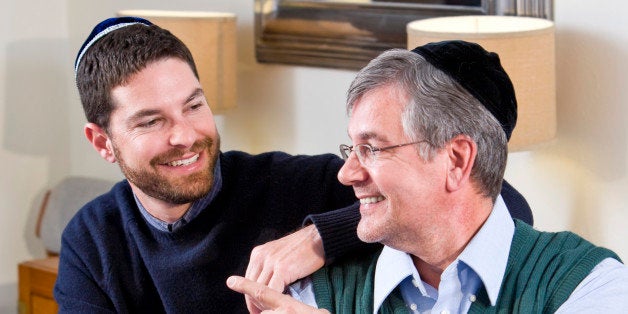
(338, 231)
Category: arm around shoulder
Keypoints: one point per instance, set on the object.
(338, 232)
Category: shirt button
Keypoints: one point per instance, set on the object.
(415, 283)
(444, 312)
(413, 307)
(472, 298)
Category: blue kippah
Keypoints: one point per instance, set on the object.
(479, 72)
(103, 28)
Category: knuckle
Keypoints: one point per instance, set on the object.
(260, 294)
(256, 252)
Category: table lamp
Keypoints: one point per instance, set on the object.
(526, 49)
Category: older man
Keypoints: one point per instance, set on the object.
(430, 129)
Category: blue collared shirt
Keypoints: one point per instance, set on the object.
(482, 262)
(191, 213)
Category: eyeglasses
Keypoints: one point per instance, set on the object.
(367, 154)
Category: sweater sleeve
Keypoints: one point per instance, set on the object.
(75, 290)
(338, 232)
(516, 203)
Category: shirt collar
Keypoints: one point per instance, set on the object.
(486, 254)
(392, 268)
(195, 209)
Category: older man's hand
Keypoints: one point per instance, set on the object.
(267, 300)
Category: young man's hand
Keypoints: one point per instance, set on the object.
(279, 263)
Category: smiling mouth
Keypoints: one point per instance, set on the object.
(183, 162)
(372, 199)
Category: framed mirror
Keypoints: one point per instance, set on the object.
(346, 34)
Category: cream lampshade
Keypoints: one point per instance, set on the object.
(211, 37)
(526, 49)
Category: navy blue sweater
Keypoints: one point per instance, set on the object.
(112, 261)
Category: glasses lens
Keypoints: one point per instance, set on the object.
(345, 151)
(365, 153)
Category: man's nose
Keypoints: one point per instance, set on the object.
(352, 171)
(182, 134)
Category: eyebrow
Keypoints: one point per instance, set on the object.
(369, 135)
(142, 114)
(195, 94)
(198, 92)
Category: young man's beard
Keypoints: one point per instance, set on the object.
(175, 190)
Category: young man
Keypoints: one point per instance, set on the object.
(187, 215)
(429, 130)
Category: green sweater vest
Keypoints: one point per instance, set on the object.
(543, 270)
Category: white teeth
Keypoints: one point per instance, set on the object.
(371, 200)
(184, 162)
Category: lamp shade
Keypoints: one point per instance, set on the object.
(525, 46)
(211, 37)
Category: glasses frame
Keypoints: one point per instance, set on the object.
(372, 150)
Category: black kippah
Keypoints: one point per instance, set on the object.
(103, 28)
(478, 71)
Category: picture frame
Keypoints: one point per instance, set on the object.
(346, 34)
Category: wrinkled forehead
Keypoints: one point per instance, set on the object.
(377, 115)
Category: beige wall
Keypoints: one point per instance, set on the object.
(579, 182)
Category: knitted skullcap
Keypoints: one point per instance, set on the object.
(103, 28)
(479, 72)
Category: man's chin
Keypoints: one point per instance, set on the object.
(179, 197)
(195, 189)
(182, 190)
(367, 233)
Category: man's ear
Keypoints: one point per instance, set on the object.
(462, 151)
(100, 141)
